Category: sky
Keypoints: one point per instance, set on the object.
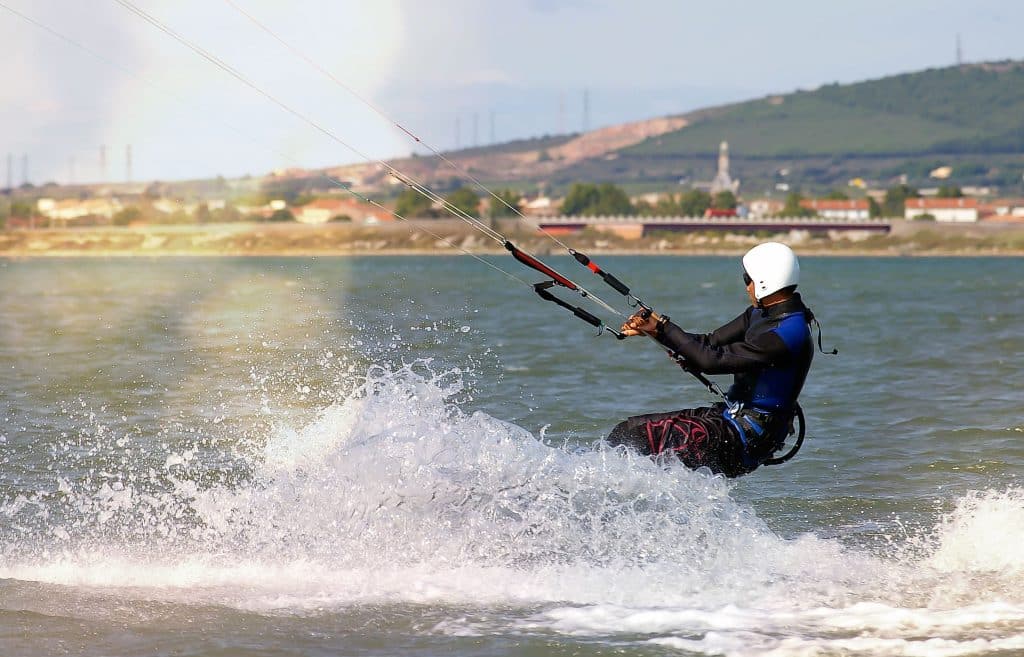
(454, 72)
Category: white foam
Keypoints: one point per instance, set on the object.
(983, 534)
(393, 495)
(758, 645)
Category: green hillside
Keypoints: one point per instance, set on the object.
(968, 109)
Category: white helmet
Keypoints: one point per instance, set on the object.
(772, 266)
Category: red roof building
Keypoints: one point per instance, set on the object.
(838, 208)
(322, 210)
(953, 210)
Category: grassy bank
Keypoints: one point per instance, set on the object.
(449, 236)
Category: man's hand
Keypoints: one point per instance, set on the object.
(638, 325)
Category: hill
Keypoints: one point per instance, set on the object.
(973, 108)
(970, 117)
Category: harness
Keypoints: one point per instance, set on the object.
(752, 423)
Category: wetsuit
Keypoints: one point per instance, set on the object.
(769, 351)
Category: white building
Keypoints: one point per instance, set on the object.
(839, 208)
(73, 210)
(951, 210)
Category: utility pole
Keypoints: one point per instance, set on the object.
(24, 168)
(959, 51)
(10, 172)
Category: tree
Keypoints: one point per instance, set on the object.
(874, 209)
(724, 200)
(154, 190)
(950, 191)
(500, 209)
(596, 200)
(289, 189)
(580, 198)
(837, 195)
(694, 203)
(612, 200)
(465, 200)
(668, 206)
(126, 216)
(282, 215)
(21, 209)
(894, 203)
(226, 214)
(203, 214)
(412, 204)
(792, 208)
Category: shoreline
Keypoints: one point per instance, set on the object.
(383, 253)
(454, 238)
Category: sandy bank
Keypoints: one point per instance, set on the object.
(448, 237)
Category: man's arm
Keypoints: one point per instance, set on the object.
(733, 331)
(711, 357)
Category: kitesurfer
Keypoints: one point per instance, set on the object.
(768, 349)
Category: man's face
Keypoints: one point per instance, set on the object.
(750, 288)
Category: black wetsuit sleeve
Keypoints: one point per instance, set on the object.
(731, 331)
(705, 354)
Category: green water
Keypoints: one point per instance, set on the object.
(226, 456)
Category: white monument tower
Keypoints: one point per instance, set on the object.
(723, 182)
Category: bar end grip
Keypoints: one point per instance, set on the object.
(619, 286)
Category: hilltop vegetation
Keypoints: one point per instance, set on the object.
(954, 110)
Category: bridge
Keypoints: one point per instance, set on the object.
(633, 226)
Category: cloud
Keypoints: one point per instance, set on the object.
(53, 95)
(183, 115)
(526, 64)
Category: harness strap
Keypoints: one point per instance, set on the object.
(744, 422)
(778, 460)
(741, 431)
(811, 319)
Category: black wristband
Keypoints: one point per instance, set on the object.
(663, 321)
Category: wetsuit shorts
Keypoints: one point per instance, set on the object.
(699, 437)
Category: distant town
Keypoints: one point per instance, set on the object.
(319, 198)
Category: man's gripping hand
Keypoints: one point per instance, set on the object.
(637, 324)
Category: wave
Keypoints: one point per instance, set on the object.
(394, 494)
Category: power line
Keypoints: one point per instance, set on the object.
(404, 178)
(331, 180)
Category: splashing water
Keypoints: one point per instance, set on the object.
(394, 495)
